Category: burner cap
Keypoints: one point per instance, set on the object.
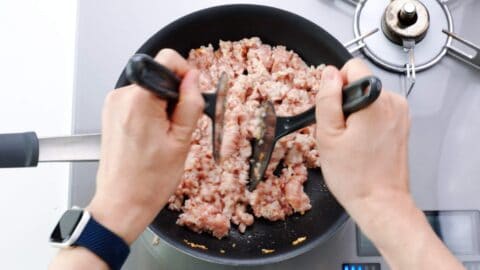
(403, 19)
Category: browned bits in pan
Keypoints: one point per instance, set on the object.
(194, 245)
(267, 251)
(299, 240)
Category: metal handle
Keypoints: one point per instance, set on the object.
(19, 150)
(143, 70)
(355, 96)
(359, 41)
(473, 60)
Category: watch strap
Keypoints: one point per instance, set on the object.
(105, 244)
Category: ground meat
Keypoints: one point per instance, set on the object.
(212, 196)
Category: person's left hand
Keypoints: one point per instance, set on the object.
(143, 151)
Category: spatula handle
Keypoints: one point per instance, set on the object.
(144, 71)
(360, 94)
(355, 96)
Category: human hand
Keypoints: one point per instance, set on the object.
(143, 151)
(364, 160)
(363, 157)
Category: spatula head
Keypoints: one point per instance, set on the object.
(221, 93)
(263, 144)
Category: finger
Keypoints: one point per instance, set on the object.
(329, 113)
(189, 107)
(353, 70)
(174, 61)
(141, 97)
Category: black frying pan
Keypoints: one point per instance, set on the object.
(315, 46)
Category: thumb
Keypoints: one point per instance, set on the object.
(188, 109)
(329, 114)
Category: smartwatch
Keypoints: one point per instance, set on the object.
(78, 228)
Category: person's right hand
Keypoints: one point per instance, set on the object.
(363, 157)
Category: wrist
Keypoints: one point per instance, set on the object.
(380, 203)
(382, 217)
(126, 220)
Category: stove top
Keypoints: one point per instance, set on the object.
(444, 98)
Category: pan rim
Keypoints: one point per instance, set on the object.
(271, 258)
(338, 225)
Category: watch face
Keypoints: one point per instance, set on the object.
(66, 226)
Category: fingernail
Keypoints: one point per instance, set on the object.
(329, 73)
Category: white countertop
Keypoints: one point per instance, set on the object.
(37, 57)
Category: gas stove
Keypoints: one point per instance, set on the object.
(422, 49)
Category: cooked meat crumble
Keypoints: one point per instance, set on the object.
(212, 196)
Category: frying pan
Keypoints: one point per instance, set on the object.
(315, 46)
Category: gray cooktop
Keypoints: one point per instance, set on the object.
(445, 109)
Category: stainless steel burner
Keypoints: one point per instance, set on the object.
(391, 55)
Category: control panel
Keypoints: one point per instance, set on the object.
(459, 231)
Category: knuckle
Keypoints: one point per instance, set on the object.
(400, 103)
(386, 99)
(136, 97)
(355, 62)
(183, 135)
(166, 55)
(197, 103)
(324, 97)
(356, 66)
(111, 98)
(403, 104)
(194, 104)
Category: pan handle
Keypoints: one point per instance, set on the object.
(355, 97)
(19, 150)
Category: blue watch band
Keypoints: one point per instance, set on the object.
(105, 244)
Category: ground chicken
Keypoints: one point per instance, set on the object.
(212, 196)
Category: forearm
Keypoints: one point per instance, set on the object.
(401, 232)
(77, 258)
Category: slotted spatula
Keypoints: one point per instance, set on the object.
(356, 96)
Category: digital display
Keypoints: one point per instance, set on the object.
(472, 265)
(361, 266)
(66, 226)
(459, 230)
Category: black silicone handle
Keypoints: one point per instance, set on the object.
(355, 96)
(18, 150)
(143, 70)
